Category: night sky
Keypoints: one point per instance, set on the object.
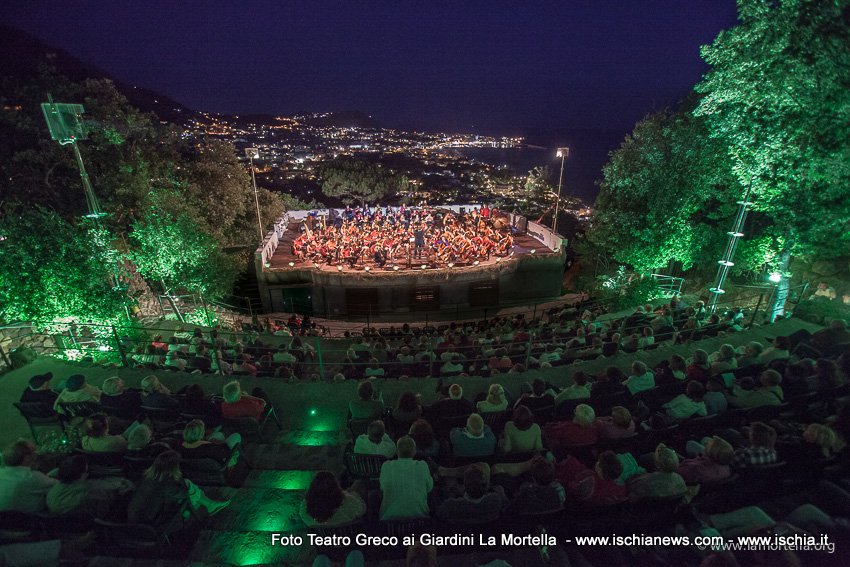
(492, 67)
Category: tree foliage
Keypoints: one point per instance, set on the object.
(357, 181)
(172, 251)
(773, 115)
(51, 270)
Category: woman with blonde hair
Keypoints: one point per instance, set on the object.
(618, 426)
(495, 400)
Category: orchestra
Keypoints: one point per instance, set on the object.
(392, 237)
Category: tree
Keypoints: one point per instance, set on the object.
(664, 190)
(778, 97)
(174, 253)
(51, 270)
(353, 181)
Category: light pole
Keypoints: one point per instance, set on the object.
(561, 153)
(254, 153)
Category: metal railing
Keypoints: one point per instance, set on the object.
(327, 351)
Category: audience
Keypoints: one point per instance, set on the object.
(22, 488)
(664, 482)
(369, 403)
(239, 404)
(474, 440)
(76, 390)
(522, 435)
(39, 390)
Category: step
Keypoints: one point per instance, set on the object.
(248, 548)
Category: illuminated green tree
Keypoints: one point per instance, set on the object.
(51, 270)
(778, 96)
(173, 253)
(662, 194)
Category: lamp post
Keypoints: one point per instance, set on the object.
(254, 153)
(561, 153)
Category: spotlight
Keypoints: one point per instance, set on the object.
(424, 266)
(533, 251)
(268, 264)
(498, 260)
(475, 263)
(395, 268)
(451, 264)
(775, 277)
(103, 348)
(367, 268)
(291, 264)
(339, 268)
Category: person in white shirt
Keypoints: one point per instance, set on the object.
(688, 404)
(76, 390)
(579, 390)
(21, 488)
(405, 484)
(641, 378)
(375, 441)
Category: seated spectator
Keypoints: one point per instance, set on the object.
(164, 500)
(409, 408)
(140, 442)
(196, 402)
(195, 445)
(283, 356)
(610, 383)
(688, 404)
(711, 463)
(239, 404)
(795, 378)
(761, 449)
(201, 361)
(97, 438)
(369, 403)
(698, 369)
(678, 368)
(175, 361)
(453, 406)
(76, 390)
(500, 361)
(540, 398)
(723, 360)
(597, 486)
(578, 390)
(821, 442)
(641, 378)
(826, 376)
(426, 442)
(373, 369)
(479, 501)
(22, 488)
(665, 482)
(405, 484)
(829, 341)
(779, 351)
(618, 426)
(245, 365)
(38, 390)
(156, 395)
(550, 356)
(116, 396)
(474, 440)
(542, 493)
(75, 493)
(375, 441)
(576, 433)
(522, 435)
(452, 367)
(647, 339)
(714, 398)
(769, 393)
(327, 504)
(750, 354)
(495, 400)
(404, 356)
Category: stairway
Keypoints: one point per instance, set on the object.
(268, 501)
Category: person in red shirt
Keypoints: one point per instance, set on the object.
(576, 433)
(595, 487)
(239, 404)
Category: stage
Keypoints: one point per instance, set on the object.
(531, 272)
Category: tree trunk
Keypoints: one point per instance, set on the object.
(173, 303)
(780, 296)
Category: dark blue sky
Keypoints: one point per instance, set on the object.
(502, 67)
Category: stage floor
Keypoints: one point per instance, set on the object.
(523, 244)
